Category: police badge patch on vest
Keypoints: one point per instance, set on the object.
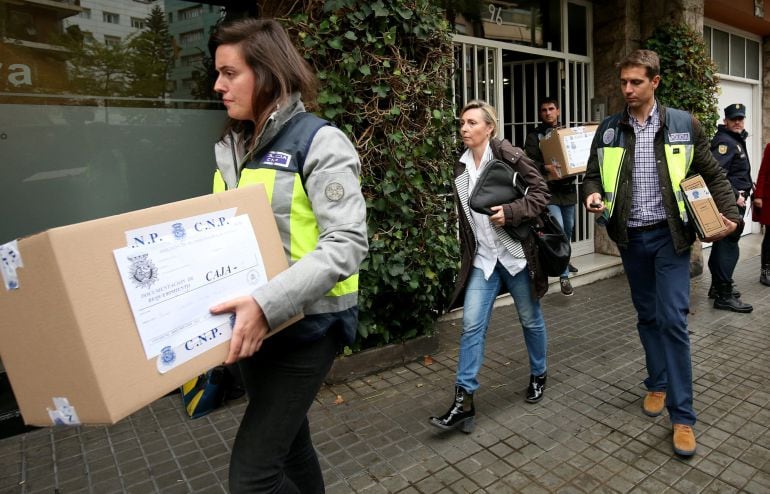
(608, 136)
(722, 149)
(679, 137)
(334, 191)
(276, 158)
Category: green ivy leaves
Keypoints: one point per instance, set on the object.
(688, 74)
(385, 68)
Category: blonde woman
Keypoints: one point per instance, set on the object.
(493, 261)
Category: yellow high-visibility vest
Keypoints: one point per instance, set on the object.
(678, 145)
(279, 169)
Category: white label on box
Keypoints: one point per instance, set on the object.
(697, 193)
(10, 259)
(577, 148)
(173, 357)
(171, 285)
(63, 413)
(178, 229)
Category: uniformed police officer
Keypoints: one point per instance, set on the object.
(729, 148)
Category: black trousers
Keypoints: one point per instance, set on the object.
(273, 451)
(724, 257)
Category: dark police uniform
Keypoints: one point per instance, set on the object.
(729, 149)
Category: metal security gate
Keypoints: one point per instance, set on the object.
(513, 79)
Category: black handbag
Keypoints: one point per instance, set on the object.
(553, 246)
(499, 184)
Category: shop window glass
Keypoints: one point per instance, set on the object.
(94, 123)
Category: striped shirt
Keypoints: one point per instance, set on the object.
(490, 246)
(646, 200)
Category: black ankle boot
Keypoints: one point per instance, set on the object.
(764, 277)
(726, 301)
(460, 414)
(536, 387)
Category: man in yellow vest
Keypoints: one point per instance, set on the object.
(638, 159)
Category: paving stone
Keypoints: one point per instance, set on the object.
(587, 435)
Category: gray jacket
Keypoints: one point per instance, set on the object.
(331, 162)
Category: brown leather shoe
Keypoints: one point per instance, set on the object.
(684, 440)
(654, 403)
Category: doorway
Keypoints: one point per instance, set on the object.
(513, 79)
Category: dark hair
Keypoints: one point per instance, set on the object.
(547, 100)
(278, 67)
(642, 58)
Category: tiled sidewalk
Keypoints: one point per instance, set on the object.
(587, 435)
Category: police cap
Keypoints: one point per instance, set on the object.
(734, 111)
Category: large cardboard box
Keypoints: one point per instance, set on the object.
(68, 333)
(701, 207)
(568, 150)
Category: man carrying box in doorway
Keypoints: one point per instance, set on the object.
(563, 193)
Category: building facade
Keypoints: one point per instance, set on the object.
(516, 53)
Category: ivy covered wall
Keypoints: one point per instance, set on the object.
(385, 69)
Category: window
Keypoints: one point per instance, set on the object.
(734, 54)
(190, 13)
(137, 23)
(752, 56)
(111, 18)
(75, 115)
(170, 17)
(577, 17)
(21, 25)
(737, 55)
(519, 22)
(191, 60)
(111, 40)
(191, 37)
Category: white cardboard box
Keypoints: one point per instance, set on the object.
(68, 334)
(568, 150)
(701, 206)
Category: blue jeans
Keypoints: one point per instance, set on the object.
(659, 279)
(480, 296)
(565, 215)
(273, 451)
